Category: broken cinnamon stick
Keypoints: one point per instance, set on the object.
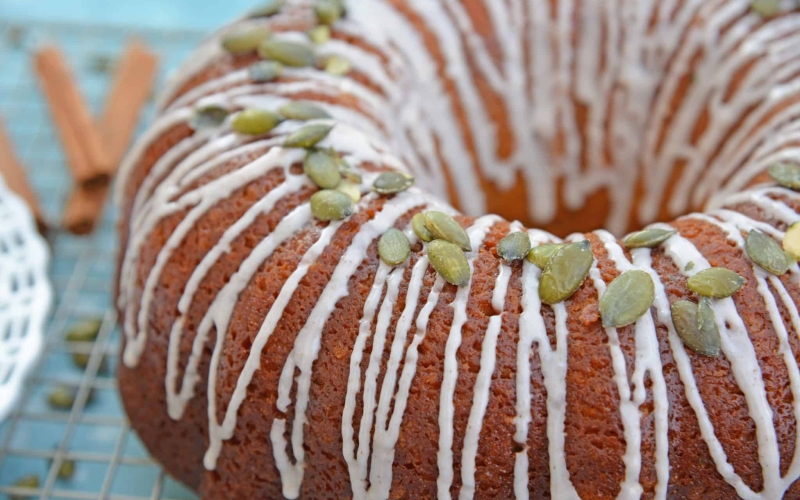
(86, 154)
(13, 173)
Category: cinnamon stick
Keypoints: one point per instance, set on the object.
(13, 173)
(133, 82)
(83, 144)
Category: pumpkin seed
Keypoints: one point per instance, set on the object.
(766, 8)
(322, 169)
(392, 182)
(541, 254)
(766, 252)
(346, 173)
(327, 205)
(31, 481)
(242, 42)
(320, 34)
(328, 11)
(688, 318)
(444, 227)
(208, 117)
(302, 111)
(418, 225)
(67, 469)
(514, 246)
(791, 241)
(84, 331)
(307, 136)
(351, 189)
(627, 298)
(689, 266)
(648, 238)
(565, 272)
(787, 174)
(61, 397)
(265, 71)
(292, 54)
(254, 121)
(270, 8)
(337, 65)
(449, 261)
(716, 283)
(393, 247)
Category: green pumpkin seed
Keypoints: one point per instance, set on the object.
(307, 136)
(393, 247)
(627, 298)
(689, 266)
(444, 227)
(648, 238)
(61, 398)
(787, 174)
(346, 173)
(31, 481)
(208, 117)
(418, 225)
(766, 8)
(242, 42)
(328, 11)
(392, 182)
(302, 111)
(565, 272)
(270, 8)
(449, 261)
(293, 54)
(716, 283)
(514, 246)
(320, 34)
(766, 253)
(84, 331)
(696, 327)
(321, 168)
(791, 241)
(337, 65)
(541, 254)
(351, 189)
(253, 121)
(67, 469)
(328, 205)
(265, 71)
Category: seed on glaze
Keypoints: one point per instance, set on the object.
(84, 331)
(419, 227)
(270, 8)
(514, 246)
(394, 247)
(253, 121)
(540, 255)
(766, 252)
(328, 205)
(791, 241)
(208, 117)
(715, 282)
(302, 111)
(444, 227)
(307, 136)
(648, 238)
(292, 54)
(689, 266)
(337, 65)
(627, 298)
(265, 71)
(246, 41)
(696, 326)
(328, 11)
(321, 168)
(766, 8)
(787, 174)
(349, 188)
(449, 261)
(392, 183)
(565, 272)
(319, 34)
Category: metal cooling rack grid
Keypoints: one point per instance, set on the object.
(110, 462)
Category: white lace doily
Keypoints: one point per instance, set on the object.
(25, 295)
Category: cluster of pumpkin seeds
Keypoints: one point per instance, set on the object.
(696, 326)
(447, 242)
(284, 52)
(565, 271)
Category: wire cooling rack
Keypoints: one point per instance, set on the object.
(110, 462)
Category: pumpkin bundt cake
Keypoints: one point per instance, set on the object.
(305, 315)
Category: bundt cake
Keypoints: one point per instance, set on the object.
(305, 315)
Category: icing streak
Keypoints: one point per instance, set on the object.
(622, 68)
